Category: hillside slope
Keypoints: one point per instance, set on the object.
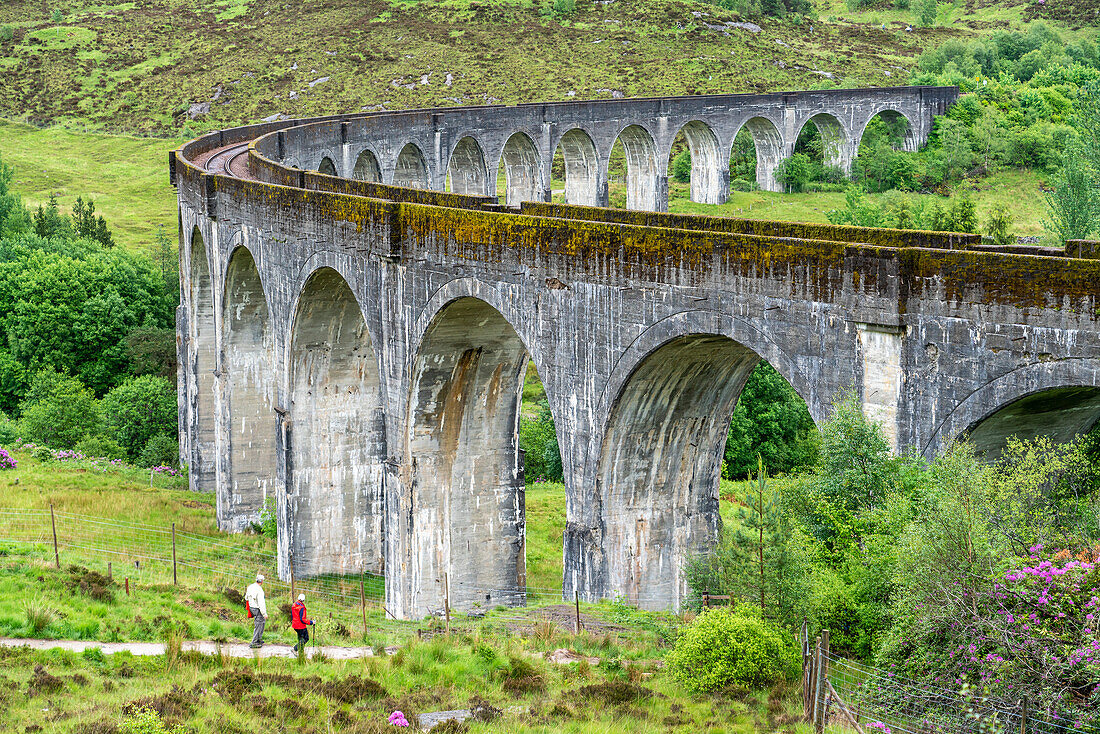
(158, 66)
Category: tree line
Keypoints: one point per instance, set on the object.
(87, 341)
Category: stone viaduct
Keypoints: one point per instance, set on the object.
(353, 335)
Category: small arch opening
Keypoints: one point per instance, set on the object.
(327, 167)
(367, 168)
(411, 170)
(767, 152)
(574, 172)
(249, 392)
(694, 160)
(1060, 413)
(640, 169)
(519, 177)
(466, 172)
(879, 164)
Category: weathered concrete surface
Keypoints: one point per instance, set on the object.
(369, 345)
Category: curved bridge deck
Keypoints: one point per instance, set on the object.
(353, 337)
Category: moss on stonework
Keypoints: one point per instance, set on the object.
(642, 245)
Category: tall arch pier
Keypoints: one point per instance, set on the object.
(359, 308)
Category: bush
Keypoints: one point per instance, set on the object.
(161, 450)
(1000, 226)
(9, 430)
(100, 447)
(727, 647)
(794, 172)
(539, 441)
(681, 166)
(139, 409)
(59, 410)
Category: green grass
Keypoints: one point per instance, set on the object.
(498, 660)
(59, 692)
(1018, 190)
(126, 177)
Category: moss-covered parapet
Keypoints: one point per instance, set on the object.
(1021, 281)
(823, 269)
(881, 237)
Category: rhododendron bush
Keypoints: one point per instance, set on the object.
(975, 609)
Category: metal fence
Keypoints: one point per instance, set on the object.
(839, 693)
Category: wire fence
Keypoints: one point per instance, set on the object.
(839, 693)
(134, 553)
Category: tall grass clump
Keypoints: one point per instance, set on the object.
(39, 615)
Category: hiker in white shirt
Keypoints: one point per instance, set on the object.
(257, 604)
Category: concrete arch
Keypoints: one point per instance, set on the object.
(522, 170)
(1020, 403)
(336, 433)
(836, 144)
(249, 394)
(411, 170)
(769, 150)
(327, 167)
(662, 446)
(366, 167)
(709, 172)
(466, 168)
(643, 177)
(597, 566)
(582, 169)
(466, 515)
(910, 143)
(202, 462)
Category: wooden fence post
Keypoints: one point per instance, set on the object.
(576, 613)
(53, 524)
(706, 601)
(1023, 715)
(109, 578)
(822, 678)
(447, 599)
(175, 578)
(804, 638)
(363, 603)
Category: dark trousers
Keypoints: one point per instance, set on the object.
(303, 638)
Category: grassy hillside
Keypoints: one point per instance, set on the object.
(126, 177)
(162, 65)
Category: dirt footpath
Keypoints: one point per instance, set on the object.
(231, 649)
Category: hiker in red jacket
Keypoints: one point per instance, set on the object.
(301, 622)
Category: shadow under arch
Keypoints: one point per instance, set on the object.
(1057, 399)
(336, 433)
(366, 167)
(467, 516)
(249, 388)
(202, 463)
(411, 170)
(466, 168)
(1059, 413)
(582, 168)
(522, 170)
(326, 167)
(768, 144)
(658, 460)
